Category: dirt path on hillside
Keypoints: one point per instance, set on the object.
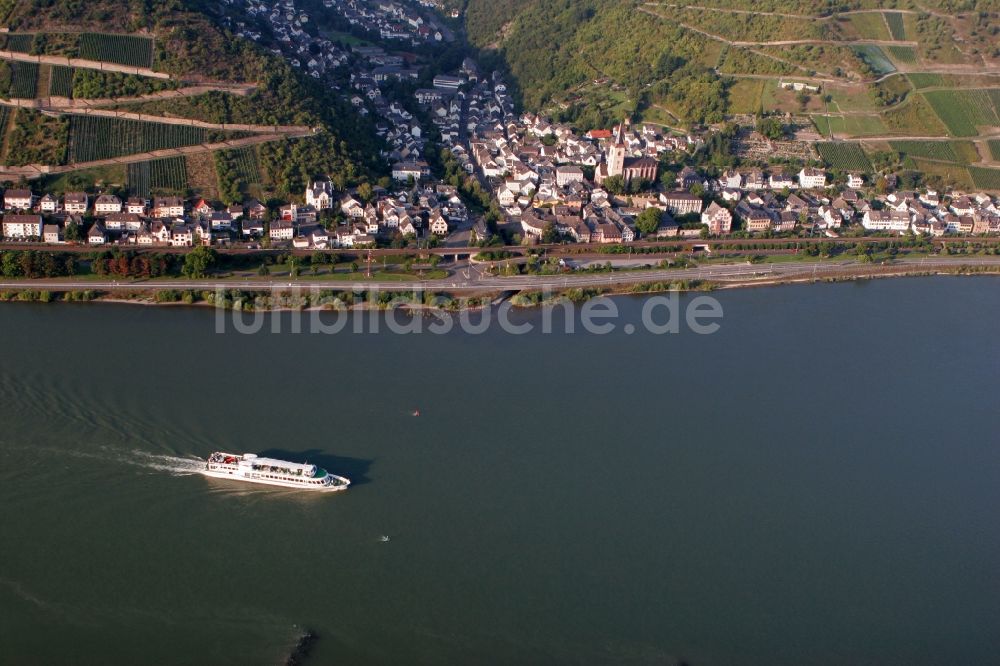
(805, 17)
(72, 110)
(187, 91)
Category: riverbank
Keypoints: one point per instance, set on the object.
(450, 297)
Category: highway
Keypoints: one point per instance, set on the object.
(471, 279)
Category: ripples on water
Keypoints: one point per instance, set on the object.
(71, 418)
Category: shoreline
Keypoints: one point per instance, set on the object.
(521, 297)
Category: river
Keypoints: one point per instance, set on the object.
(815, 483)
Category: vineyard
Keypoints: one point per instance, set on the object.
(986, 179)
(903, 54)
(142, 179)
(933, 150)
(61, 83)
(963, 110)
(5, 114)
(994, 145)
(122, 49)
(23, 80)
(98, 137)
(137, 179)
(925, 80)
(895, 22)
(169, 173)
(237, 171)
(20, 43)
(844, 156)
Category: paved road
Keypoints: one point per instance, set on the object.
(470, 279)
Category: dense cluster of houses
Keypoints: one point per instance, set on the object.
(174, 222)
(288, 26)
(537, 163)
(393, 20)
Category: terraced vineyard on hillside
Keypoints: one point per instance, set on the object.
(98, 138)
(122, 49)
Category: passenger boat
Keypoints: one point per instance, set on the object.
(271, 471)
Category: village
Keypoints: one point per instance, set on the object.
(546, 182)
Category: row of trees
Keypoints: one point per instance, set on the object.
(34, 264)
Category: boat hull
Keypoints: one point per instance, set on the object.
(316, 488)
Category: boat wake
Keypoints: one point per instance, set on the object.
(175, 465)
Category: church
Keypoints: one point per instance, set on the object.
(617, 163)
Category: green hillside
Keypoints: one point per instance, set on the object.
(587, 61)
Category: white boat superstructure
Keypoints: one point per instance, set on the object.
(271, 471)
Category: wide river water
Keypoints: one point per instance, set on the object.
(816, 483)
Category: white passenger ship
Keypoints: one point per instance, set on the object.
(253, 468)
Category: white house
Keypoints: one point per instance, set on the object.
(96, 235)
(18, 200)
(886, 220)
(168, 207)
(22, 226)
(855, 181)
(76, 202)
(568, 174)
(49, 204)
(107, 203)
(403, 171)
(810, 178)
(718, 219)
(319, 195)
(282, 230)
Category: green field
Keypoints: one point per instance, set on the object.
(23, 80)
(903, 54)
(61, 83)
(962, 110)
(986, 179)
(857, 126)
(870, 25)
(122, 49)
(844, 156)
(98, 138)
(895, 22)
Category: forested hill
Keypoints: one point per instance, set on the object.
(191, 46)
(551, 46)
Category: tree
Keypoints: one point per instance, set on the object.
(72, 231)
(614, 184)
(549, 233)
(669, 179)
(198, 261)
(365, 192)
(649, 221)
(771, 128)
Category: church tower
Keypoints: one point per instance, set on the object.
(616, 153)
